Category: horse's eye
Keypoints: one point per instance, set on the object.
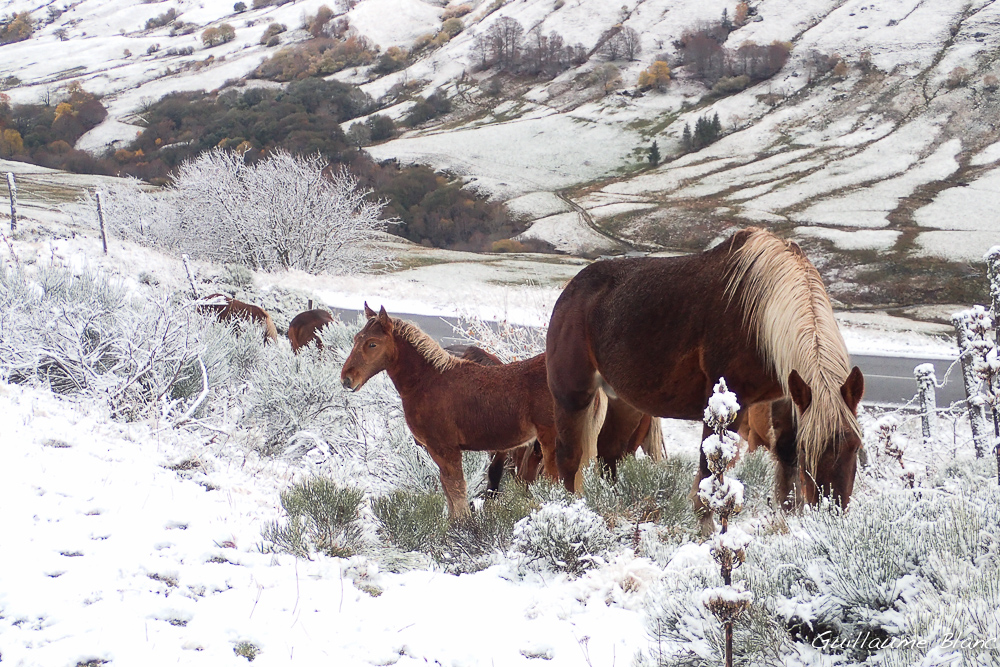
(371, 344)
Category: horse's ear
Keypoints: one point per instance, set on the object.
(801, 394)
(369, 313)
(853, 389)
(385, 320)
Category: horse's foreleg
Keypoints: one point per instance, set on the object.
(452, 481)
(547, 452)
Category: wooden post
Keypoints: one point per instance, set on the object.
(926, 382)
(12, 186)
(974, 400)
(309, 306)
(100, 220)
(187, 269)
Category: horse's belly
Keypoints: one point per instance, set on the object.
(675, 390)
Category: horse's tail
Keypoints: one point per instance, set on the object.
(588, 445)
(270, 331)
(652, 445)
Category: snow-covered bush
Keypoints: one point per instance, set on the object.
(901, 565)
(283, 212)
(322, 517)
(684, 633)
(85, 334)
(568, 538)
(509, 342)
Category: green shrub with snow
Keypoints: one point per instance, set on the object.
(645, 491)
(322, 517)
(563, 537)
(415, 521)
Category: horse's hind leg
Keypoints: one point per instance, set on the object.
(495, 472)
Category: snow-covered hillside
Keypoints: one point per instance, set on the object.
(893, 161)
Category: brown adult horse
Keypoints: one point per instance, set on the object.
(304, 328)
(659, 333)
(453, 405)
(228, 309)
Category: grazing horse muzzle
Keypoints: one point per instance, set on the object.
(348, 384)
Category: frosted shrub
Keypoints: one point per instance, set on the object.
(322, 517)
(86, 335)
(280, 213)
(907, 563)
(684, 633)
(509, 342)
(134, 212)
(568, 538)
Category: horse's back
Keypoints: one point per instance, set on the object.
(304, 328)
(658, 331)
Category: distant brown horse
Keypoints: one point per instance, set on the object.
(305, 327)
(228, 309)
(660, 332)
(453, 405)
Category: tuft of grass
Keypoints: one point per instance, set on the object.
(247, 650)
(322, 517)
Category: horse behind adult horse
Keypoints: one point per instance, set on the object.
(453, 405)
(228, 309)
(304, 328)
(624, 430)
(660, 332)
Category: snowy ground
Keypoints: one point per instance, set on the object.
(122, 559)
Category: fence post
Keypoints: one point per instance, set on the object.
(187, 269)
(926, 381)
(992, 258)
(100, 220)
(12, 186)
(967, 349)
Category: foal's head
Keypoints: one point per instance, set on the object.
(828, 463)
(373, 351)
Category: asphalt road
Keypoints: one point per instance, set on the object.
(888, 380)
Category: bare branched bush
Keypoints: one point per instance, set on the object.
(284, 212)
(85, 334)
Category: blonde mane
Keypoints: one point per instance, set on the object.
(786, 306)
(425, 346)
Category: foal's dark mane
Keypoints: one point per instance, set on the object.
(786, 306)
